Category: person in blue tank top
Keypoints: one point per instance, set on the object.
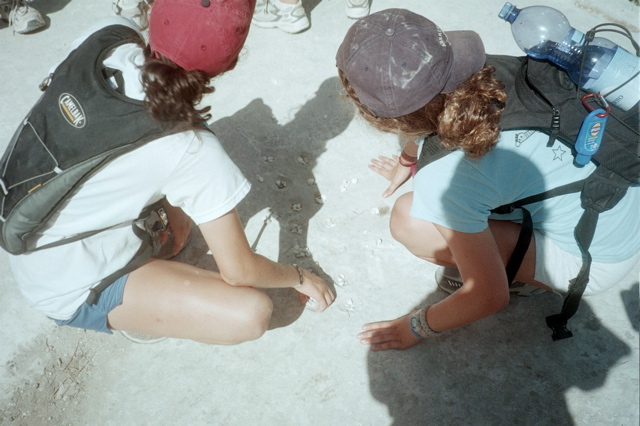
(408, 77)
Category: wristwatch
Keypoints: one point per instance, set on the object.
(418, 323)
(415, 327)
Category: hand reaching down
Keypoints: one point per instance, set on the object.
(392, 170)
(315, 288)
(385, 335)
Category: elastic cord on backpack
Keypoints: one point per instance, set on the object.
(590, 36)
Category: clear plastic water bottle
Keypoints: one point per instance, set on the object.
(545, 33)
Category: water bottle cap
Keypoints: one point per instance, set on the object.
(509, 12)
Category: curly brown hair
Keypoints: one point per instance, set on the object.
(468, 118)
(172, 92)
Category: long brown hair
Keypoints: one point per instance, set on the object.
(172, 93)
(468, 118)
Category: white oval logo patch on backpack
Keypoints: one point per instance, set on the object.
(72, 110)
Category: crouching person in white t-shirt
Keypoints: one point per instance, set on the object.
(189, 42)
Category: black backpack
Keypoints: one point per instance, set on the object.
(541, 97)
(74, 129)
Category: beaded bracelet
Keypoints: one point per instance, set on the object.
(299, 275)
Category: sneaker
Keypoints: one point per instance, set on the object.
(136, 10)
(524, 290)
(357, 9)
(22, 18)
(142, 338)
(290, 18)
(449, 280)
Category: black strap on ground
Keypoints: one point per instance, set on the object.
(584, 232)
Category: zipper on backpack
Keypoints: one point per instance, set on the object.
(45, 83)
(555, 126)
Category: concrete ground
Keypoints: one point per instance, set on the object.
(281, 117)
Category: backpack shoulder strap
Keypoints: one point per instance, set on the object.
(431, 151)
(72, 131)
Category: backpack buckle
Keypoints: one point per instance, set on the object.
(559, 327)
(504, 209)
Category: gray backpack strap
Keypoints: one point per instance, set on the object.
(431, 151)
(155, 221)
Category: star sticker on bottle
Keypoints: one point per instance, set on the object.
(558, 153)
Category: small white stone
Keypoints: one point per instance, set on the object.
(348, 307)
(311, 304)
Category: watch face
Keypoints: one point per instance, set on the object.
(415, 324)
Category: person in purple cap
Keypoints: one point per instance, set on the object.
(408, 77)
(159, 87)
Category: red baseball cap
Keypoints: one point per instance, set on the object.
(202, 35)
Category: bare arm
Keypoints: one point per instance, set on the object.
(240, 266)
(485, 291)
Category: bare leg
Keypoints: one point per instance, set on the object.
(419, 236)
(173, 299)
(422, 239)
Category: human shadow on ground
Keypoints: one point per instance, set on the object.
(631, 300)
(279, 160)
(504, 369)
(50, 6)
(309, 5)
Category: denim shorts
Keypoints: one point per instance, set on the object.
(94, 317)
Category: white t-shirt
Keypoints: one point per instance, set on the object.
(191, 169)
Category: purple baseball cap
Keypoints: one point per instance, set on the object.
(397, 61)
